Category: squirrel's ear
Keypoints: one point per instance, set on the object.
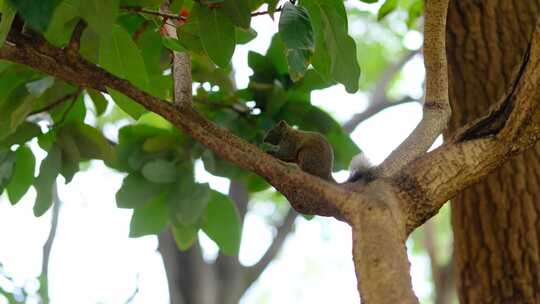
(283, 123)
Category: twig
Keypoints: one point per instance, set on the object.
(374, 108)
(140, 30)
(148, 12)
(379, 100)
(135, 291)
(282, 232)
(70, 107)
(55, 103)
(47, 247)
(254, 14)
(75, 40)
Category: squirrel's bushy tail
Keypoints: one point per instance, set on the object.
(359, 167)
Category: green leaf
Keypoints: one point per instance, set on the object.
(136, 192)
(175, 5)
(184, 236)
(298, 60)
(188, 34)
(172, 44)
(14, 109)
(141, 3)
(414, 12)
(99, 14)
(159, 143)
(37, 14)
(187, 201)
(149, 219)
(100, 103)
(222, 223)
(12, 80)
(161, 86)
(121, 56)
(217, 35)
(71, 156)
(48, 171)
(369, 1)
(335, 51)
(72, 111)
(276, 54)
(127, 104)
(238, 11)
(25, 132)
(295, 27)
(388, 7)
(63, 22)
(38, 87)
(150, 44)
(264, 70)
(130, 140)
(8, 14)
(23, 174)
(46, 140)
(21, 112)
(91, 142)
(244, 36)
(296, 32)
(160, 171)
(7, 162)
(154, 120)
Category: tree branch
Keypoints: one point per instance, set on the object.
(436, 106)
(511, 126)
(374, 108)
(181, 70)
(307, 194)
(283, 231)
(47, 247)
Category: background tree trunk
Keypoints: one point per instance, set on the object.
(496, 232)
(191, 280)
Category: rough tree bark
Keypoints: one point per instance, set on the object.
(495, 223)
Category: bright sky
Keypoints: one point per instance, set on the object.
(94, 261)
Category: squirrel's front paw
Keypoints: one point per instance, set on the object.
(270, 149)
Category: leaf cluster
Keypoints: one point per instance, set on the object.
(312, 50)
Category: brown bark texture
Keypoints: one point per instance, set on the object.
(495, 222)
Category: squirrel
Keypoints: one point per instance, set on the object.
(311, 152)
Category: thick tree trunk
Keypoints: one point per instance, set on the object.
(496, 232)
